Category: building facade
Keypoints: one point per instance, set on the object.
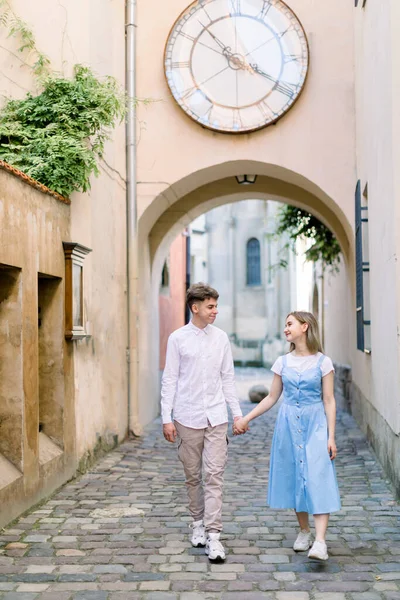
(333, 153)
(233, 248)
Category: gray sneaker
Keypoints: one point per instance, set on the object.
(303, 541)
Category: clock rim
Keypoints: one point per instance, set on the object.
(233, 132)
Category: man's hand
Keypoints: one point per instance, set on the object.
(240, 426)
(169, 432)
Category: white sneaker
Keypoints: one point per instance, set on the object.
(199, 537)
(303, 541)
(318, 551)
(214, 548)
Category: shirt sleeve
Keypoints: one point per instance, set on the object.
(327, 366)
(170, 379)
(228, 381)
(277, 366)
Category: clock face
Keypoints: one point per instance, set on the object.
(236, 65)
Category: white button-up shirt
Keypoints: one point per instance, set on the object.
(198, 380)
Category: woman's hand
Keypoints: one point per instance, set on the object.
(240, 426)
(332, 450)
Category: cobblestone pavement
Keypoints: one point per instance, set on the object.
(120, 532)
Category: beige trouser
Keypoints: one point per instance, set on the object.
(198, 450)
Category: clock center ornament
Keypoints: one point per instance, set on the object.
(236, 66)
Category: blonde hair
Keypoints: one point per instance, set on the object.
(312, 334)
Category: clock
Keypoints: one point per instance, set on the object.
(236, 66)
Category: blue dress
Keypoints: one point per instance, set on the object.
(302, 475)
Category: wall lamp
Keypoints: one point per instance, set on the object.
(246, 179)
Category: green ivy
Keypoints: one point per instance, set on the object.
(296, 223)
(58, 136)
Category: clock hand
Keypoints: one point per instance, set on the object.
(284, 88)
(218, 41)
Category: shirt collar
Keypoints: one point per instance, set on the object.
(197, 330)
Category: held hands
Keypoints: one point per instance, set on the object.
(240, 426)
(170, 433)
(332, 450)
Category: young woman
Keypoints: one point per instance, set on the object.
(302, 474)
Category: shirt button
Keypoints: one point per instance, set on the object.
(300, 446)
(299, 430)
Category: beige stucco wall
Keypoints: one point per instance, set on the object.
(90, 33)
(37, 421)
(376, 377)
(308, 158)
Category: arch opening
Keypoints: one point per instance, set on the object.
(173, 209)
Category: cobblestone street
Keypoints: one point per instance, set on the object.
(120, 532)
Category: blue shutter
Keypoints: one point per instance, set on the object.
(359, 273)
(253, 262)
(361, 268)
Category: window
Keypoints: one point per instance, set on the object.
(362, 271)
(165, 276)
(253, 262)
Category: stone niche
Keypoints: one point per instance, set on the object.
(11, 386)
(50, 360)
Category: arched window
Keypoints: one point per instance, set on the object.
(253, 262)
(165, 276)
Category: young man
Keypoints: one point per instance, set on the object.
(197, 384)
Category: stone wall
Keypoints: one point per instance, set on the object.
(380, 435)
(37, 447)
(342, 386)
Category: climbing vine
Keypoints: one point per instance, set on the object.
(58, 136)
(17, 28)
(296, 223)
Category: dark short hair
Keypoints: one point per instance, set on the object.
(198, 292)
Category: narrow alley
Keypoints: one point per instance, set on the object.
(121, 531)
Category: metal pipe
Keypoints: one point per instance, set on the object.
(132, 231)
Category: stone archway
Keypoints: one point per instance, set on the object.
(180, 203)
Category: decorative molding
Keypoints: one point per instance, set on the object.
(75, 255)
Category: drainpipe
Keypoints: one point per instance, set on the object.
(132, 233)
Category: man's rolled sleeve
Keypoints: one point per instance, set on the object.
(169, 380)
(228, 381)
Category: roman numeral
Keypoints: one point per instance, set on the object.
(181, 65)
(207, 115)
(237, 118)
(187, 93)
(290, 28)
(265, 9)
(292, 58)
(266, 110)
(235, 4)
(287, 89)
(187, 36)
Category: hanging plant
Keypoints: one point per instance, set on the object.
(58, 136)
(296, 223)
